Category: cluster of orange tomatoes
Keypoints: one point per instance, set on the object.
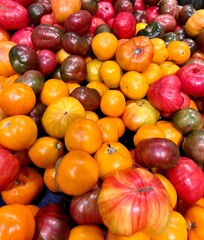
(75, 147)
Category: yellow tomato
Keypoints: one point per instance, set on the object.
(140, 26)
(93, 70)
(160, 50)
(134, 85)
(153, 73)
(61, 55)
(169, 68)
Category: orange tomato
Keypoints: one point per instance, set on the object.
(134, 85)
(99, 86)
(175, 229)
(169, 68)
(92, 115)
(136, 236)
(200, 202)
(112, 156)
(110, 73)
(5, 66)
(34, 208)
(25, 189)
(10, 80)
(17, 98)
(160, 50)
(63, 8)
(60, 114)
(109, 129)
(80, 170)
(53, 89)
(194, 216)
(153, 73)
(45, 151)
(72, 86)
(86, 232)
(146, 131)
(169, 187)
(61, 55)
(17, 222)
(113, 103)
(120, 124)
(83, 134)
(18, 132)
(49, 179)
(93, 67)
(178, 52)
(2, 114)
(193, 104)
(104, 45)
(170, 131)
(4, 35)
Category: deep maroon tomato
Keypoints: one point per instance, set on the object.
(36, 11)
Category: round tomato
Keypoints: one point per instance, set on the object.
(18, 132)
(49, 179)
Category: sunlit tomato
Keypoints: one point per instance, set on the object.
(170, 131)
(83, 134)
(17, 98)
(178, 52)
(134, 85)
(93, 67)
(175, 229)
(108, 128)
(99, 86)
(112, 156)
(169, 187)
(110, 73)
(152, 73)
(104, 45)
(49, 179)
(18, 132)
(53, 89)
(120, 124)
(169, 68)
(5, 65)
(146, 131)
(113, 103)
(80, 170)
(25, 189)
(136, 236)
(194, 216)
(60, 114)
(160, 50)
(45, 151)
(86, 232)
(17, 222)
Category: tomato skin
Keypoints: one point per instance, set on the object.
(13, 15)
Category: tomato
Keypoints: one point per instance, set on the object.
(18, 132)
(17, 98)
(63, 8)
(108, 128)
(60, 114)
(17, 222)
(80, 170)
(92, 115)
(5, 66)
(153, 73)
(104, 45)
(4, 35)
(49, 179)
(45, 151)
(120, 124)
(146, 131)
(113, 103)
(93, 67)
(99, 86)
(134, 85)
(175, 229)
(83, 134)
(136, 236)
(61, 55)
(160, 50)
(25, 189)
(112, 156)
(53, 89)
(86, 232)
(169, 68)
(194, 216)
(34, 208)
(135, 54)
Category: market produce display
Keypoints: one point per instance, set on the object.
(101, 120)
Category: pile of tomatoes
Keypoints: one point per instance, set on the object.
(74, 106)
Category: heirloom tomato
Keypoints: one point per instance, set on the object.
(153, 73)
(17, 222)
(79, 169)
(136, 236)
(112, 156)
(49, 179)
(86, 232)
(99, 86)
(169, 68)
(25, 189)
(83, 134)
(60, 114)
(93, 67)
(18, 132)
(4, 35)
(17, 98)
(120, 124)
